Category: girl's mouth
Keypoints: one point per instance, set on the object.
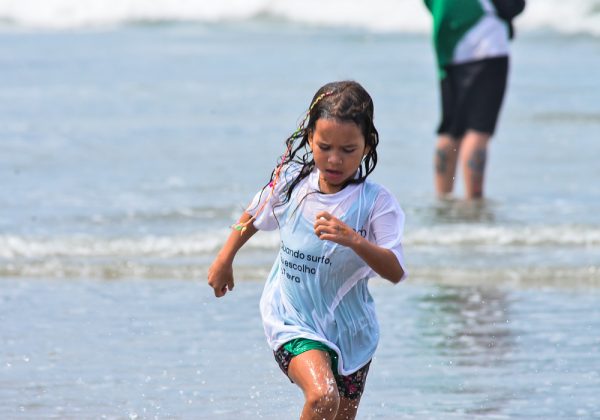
(333, 174)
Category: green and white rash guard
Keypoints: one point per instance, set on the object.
(317, 289)
(466, 30)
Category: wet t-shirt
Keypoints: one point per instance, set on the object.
(318, 289)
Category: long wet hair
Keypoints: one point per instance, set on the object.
(344, 101)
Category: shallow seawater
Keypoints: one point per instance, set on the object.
(169, 349)
(127, 152)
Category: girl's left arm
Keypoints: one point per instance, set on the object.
(383, 261)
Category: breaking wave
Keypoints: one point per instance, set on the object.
(575, 16)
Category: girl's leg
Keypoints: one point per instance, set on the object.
(311, 371)
(348, 409)
(351, 388)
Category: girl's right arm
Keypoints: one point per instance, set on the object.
(220, 273)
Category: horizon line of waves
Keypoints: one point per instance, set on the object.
(577, 16)
(14, 247)
(515, 236)
(17, 247)
(514, 277)
(120, 269)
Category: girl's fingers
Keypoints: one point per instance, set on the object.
(323, 215)
(323, 220)
(327, 229)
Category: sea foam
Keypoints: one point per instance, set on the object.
(14, 247)
(571, 17)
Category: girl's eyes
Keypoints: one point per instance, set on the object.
(325, 148)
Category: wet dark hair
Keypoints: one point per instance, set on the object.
(344, 101)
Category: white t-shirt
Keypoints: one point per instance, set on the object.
(317, 289)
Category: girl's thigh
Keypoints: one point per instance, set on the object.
(311, 371)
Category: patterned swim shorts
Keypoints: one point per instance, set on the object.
(351, 386)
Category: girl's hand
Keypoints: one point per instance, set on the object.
(383, 261)
(220, 277)
(329, 228)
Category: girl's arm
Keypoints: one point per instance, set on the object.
(220, 273)
(381, 260)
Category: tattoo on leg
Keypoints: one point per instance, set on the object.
(441, 161)
(477, 165)
(477, 161)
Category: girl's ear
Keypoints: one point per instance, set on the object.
(310, 140)
(367, 147)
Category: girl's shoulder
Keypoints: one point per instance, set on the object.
(290, 171)
(380, 194)
(376, 188)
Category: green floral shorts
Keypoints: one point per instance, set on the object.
(351, 386)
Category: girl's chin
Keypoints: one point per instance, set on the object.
(333, 184)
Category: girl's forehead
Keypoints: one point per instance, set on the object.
(333, 124)
(336, 131)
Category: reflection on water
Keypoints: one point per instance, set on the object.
(469, 330)
(455, 210)
(472, 325)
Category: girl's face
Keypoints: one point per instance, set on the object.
(338, 149)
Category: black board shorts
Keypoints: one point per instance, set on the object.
(471, 96)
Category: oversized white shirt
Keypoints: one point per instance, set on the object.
(317, 289)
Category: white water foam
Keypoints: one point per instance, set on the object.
(14, 247)
(574, 16)
(516, 236)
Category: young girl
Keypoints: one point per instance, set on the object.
(337, 230)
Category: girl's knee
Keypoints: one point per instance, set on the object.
(324, 401)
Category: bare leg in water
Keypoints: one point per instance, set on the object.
(473, 157)
(446, 155)
(471, 150)
(311, 371)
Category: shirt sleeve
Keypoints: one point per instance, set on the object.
(387, 225)
(262, 208)
(268, 203)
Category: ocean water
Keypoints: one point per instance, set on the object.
(166, 349)
(129, 152)
(132, 136)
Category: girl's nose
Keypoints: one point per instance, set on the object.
(334, 158)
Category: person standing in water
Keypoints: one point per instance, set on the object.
(471, 41)
(338, 229)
